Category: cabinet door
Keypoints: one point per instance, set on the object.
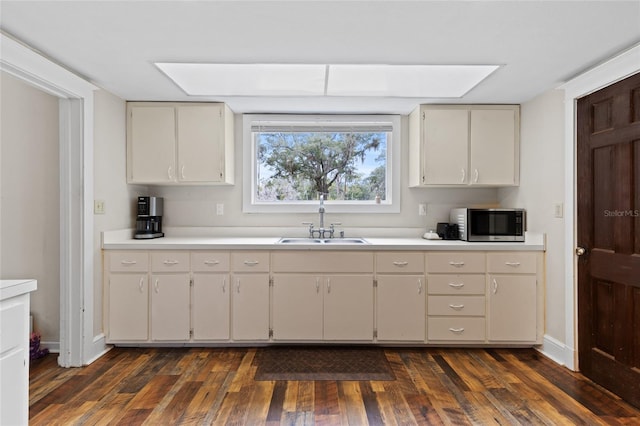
(445, 147)
(348, 307)
(400, 308)
(200, 143)
(297, 307)
(512, 308)
(152, 144)
(250, 307)
(128, 307)
(170, 307)
(493, 147)
(210, 306)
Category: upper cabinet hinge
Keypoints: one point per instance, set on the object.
(191, 282)
(375, 333)
(423, 115)
(270, 281)
(270, 332)
(375, 282)
(191, 333)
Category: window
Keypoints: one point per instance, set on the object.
(290, 160)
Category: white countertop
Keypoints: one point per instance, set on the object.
(13, 288)
(122, 240)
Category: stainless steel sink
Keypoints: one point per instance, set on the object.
(345, 241)
(300, 241)
(323, 241)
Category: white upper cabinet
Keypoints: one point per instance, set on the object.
(461, 145)
(179, 143)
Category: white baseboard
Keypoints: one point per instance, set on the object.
(558, 352)
(97, 348)
(54, 347)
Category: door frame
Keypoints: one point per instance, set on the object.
(609, 72)
(78, 344)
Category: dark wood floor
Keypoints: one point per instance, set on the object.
(215, 386)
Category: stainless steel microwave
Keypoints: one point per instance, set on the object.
(490, 224)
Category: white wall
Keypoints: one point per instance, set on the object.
(196, 205)
(542, 169)
(29, 193)
(110, 183)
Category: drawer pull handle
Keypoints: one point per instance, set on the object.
(251, 262)
(170, 262)
(456, 264)
(457, 330)
(400, 264)
(456, 285)
(317, 284)
(128, 262)
(328, 285)
(514, 264)
(211, 262)
(457, 307)
(141, 284)
(157, 287)
(495, 286)
(419, 285)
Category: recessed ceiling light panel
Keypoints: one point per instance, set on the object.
(411, 81)
(247, 79)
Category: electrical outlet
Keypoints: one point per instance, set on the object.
(422, 209)
(558, 210)
(98, 206)
(219, 209)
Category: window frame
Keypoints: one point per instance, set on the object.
(390, 205)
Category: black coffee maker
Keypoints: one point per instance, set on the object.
(149, 219)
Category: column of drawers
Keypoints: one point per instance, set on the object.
(456, 297)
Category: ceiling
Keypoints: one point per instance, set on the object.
(114, 44)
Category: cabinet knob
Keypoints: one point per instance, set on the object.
(581, 251)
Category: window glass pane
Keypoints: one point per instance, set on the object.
(297, 164)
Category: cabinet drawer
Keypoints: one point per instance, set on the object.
(129, 261)
(456, 305)
(172, 261)
(456, 329)
(250, 261)
(456, 284)
(209, 261)
(325, 262)
(456, 262)
(512, 262)
(400, 262)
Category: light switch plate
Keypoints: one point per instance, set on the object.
(422, 209)
(558, 210)
(219, 209)
(98, 206)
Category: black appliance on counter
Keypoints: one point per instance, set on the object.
(447, 231)
(149, 219)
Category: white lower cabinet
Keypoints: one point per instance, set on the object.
(210, 306)
(250, 306)
(170, 307)
(315, 307)
(512, 308)
(297, 307)
(400, 308)
(128, 307)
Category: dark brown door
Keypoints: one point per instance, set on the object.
(609, 231)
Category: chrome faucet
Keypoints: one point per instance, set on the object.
(321, 231)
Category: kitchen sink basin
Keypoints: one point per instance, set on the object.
(323, 241)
